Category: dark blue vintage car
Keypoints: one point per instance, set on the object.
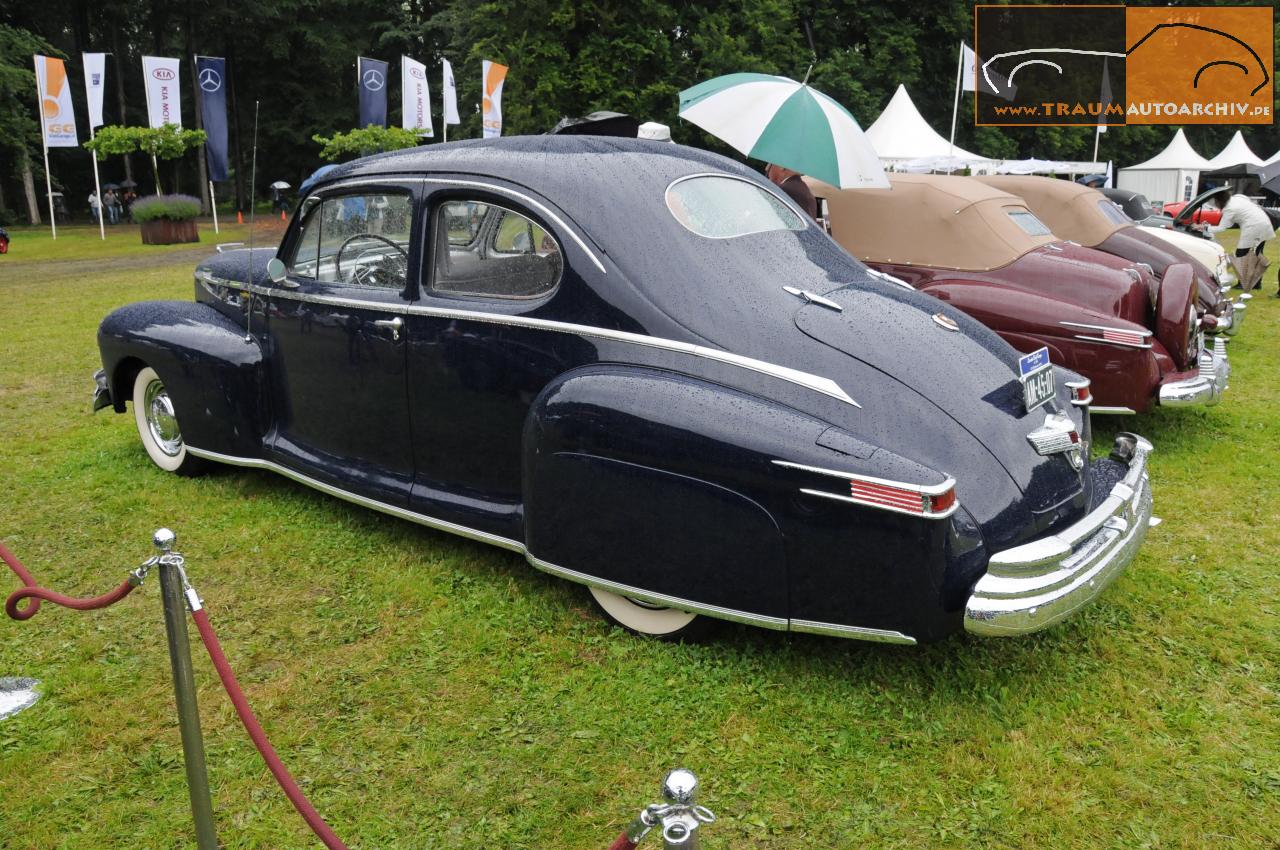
(642, 367)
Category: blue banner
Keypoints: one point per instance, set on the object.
(211, 77)
(372, 75)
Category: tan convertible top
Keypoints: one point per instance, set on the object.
(930, 220)
(1070, 209)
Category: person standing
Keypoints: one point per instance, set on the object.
(111, 203)
(790, 182)
(1255, 229)
(95, 206)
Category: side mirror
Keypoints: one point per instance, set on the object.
(276, 272)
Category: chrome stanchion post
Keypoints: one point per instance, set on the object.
(682, 817)
(184, 689)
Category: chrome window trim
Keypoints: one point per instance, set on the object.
(817, 383)
(523, 198)
(859, 632)
(922, 489)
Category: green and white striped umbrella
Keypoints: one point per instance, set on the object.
(787, 123)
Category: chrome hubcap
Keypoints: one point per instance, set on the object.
(161, 422)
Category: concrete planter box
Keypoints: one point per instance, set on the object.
(162, 231)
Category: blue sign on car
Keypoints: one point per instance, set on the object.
(1036, 373)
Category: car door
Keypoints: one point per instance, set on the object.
(473, 372)
(337, 347)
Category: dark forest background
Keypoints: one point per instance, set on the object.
(297, 59)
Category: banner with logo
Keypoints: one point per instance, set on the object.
(164, 98)
(494, 76)
(211, 78)
(372, 75)
(57, 120)
(95, 78)
(450, 95)
(415, 97)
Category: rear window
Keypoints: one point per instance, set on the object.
(723, 207)
(1114, 214)
(1029, 223)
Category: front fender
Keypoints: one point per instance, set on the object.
(214, 376)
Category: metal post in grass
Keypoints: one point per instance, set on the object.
(184, 690)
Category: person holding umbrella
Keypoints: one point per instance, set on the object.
(793, 184)
(1255, 229)
(278, 200)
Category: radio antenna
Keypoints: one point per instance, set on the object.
(253, 207)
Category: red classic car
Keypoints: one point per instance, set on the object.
(983, 251)
(1090, 218)
(1201, 214)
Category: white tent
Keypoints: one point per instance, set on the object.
(1237, 152)
(1169, 176)
(901, 135)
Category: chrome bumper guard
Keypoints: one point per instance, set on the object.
(101, 392)
(1033, 586)
(1230, 325)
(1205, 388)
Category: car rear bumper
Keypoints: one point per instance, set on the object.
(1037, 584)
(1206, 387)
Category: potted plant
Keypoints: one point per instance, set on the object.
(167, 219)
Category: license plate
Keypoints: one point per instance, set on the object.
(1036, 373)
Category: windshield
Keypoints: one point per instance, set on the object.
(723, 207)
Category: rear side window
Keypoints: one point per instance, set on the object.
(1112, 211)
(723, 207)
(359, 239)
(1029, 223)
(485, 250)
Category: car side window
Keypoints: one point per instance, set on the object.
(358, 239)
(486, 250)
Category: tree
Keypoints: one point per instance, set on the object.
(165, 142)
(19, 129)
(364, 141)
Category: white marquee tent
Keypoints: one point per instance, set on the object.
(901, 136)
(1169, 176)
(1237, 152)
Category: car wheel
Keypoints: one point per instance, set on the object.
(158, 426)
(650, 620)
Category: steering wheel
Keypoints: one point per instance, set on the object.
(337, 258)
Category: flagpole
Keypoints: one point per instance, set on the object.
(44, 139)
(97, 187)
(955, 104)
(213, 205)
(1097, 137)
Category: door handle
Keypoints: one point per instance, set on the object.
(395, 324)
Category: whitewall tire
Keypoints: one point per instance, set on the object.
(158, 425)
(649, 620)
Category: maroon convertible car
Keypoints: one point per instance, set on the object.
(1135, 336)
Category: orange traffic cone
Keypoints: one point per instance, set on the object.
(239, 217)
(282, 218)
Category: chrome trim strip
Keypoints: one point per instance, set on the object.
(1126, 410)
(1111, 342)
(857, 632)
(1144, 333)
(540, 207)
(885, 276)
(733, 615)
(817, 383)
(812, 298)
(923, 489)
(362, 501)
(869, 504)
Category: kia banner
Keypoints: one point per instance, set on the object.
(164, 98)
(415, 97)
(211, 79)
(95, 78)
(372, 76)
(57, 120)
(494, 76)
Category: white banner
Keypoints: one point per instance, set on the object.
(415, 97)
(494, 76)
(95, 79)
(450, 95)
(57, 120)
(164, 97)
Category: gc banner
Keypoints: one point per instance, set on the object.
(494, 76)
(164, 97)
(372, 75)
(57, 120)
(211, 78)
(415, 97)
(1104, 65)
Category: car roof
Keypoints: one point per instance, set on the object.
(1070, 209)
(929, 220)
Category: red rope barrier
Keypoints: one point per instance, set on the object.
(623, 843)
(36, 593)
(251, 725)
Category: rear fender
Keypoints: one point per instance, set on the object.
(213, 375)
(1175, 313)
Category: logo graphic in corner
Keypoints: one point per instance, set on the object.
(1113, 65)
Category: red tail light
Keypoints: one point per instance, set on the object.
(1081, 394)
(904, 499)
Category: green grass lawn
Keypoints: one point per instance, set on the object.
(430, 692)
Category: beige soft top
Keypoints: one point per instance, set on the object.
(930, 220)
(1070, 209)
